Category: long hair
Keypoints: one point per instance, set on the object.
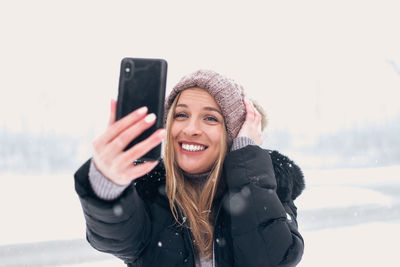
(194, 204)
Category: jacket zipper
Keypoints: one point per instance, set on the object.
(214, 238)
(191, 244)
(189, 234)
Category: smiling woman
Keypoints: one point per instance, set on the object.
(216, 199)
(197, 131)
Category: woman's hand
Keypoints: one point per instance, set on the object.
(251, 127)
(109, 156)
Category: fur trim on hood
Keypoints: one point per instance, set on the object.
(289, 177)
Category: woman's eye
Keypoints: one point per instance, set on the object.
(180, 115)
(209, 118)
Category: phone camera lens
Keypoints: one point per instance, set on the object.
(128, 67)
(128, 70)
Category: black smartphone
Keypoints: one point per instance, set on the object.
(142, 82)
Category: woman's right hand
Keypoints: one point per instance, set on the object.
(109, 156)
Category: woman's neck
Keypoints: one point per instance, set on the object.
(197, 179)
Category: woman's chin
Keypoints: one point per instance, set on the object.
(191, 170)
(195, 162)
(192, 167)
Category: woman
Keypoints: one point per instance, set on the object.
(216, 199)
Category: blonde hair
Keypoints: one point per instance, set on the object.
(194, 204)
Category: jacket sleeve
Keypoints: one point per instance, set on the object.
(264, 229)
(120, 227)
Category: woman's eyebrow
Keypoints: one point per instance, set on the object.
(205, 108)
(182, 105)
(213, 109)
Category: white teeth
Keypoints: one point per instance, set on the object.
(193, 147)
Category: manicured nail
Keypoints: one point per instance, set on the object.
(149, 118)
(142, 110)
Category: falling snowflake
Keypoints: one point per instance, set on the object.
(245, 191)
(117, 210)
(236, 204)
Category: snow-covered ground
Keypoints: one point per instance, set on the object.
(368, 242)
(344, 188)
(38, 208)
(364, 245)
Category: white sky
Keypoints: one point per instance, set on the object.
(59, 60)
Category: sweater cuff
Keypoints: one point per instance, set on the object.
(240, 142)
(103, 187)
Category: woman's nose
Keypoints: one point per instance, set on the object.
(192, 128)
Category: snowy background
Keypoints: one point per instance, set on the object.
(327, 73)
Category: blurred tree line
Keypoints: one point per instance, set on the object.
(369, 145)
(27, 152)
(373, 144)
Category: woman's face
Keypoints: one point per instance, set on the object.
(196, 130)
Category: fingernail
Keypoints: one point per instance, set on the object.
(149, 118)
(142, 110)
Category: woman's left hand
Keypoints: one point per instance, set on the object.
(251, 127)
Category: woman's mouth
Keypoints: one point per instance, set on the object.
(192, 147)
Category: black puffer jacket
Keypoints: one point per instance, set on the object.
(255, 222)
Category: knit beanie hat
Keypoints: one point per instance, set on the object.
(226, 92)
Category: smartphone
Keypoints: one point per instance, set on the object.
(142, 82)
